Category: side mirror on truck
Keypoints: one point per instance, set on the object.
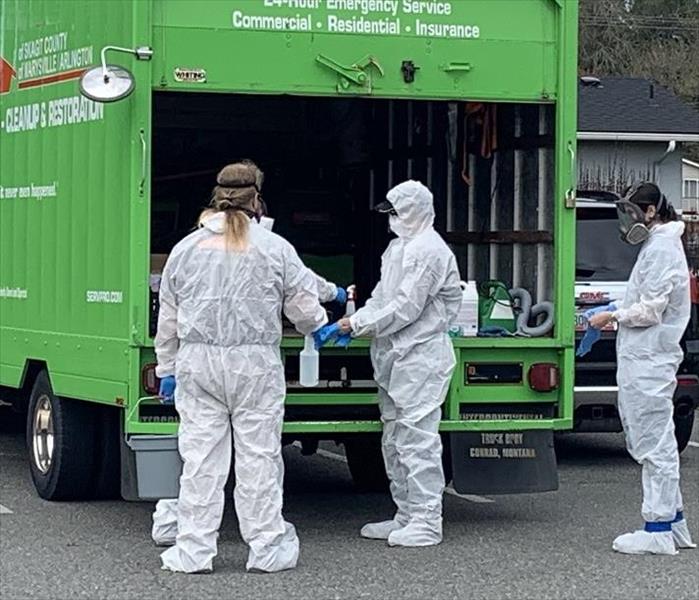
(107, 84)
(110, 83)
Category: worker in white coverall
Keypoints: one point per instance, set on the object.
(408, 315)
(652, 320)
(164, 529)
(219, 330)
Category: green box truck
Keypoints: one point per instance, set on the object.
(337, 100)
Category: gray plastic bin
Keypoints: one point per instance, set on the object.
(158, 465)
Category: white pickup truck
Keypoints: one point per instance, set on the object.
(603, 265)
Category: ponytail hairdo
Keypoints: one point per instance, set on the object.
(235, 195)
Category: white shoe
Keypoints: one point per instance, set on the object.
(174, 560)
(417, 533)
(681, 535)
(280, 554)
(380, 530)
(644, 542)
(164, 531)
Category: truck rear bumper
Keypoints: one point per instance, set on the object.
(596, 406)
(595, 395)
(596, 409)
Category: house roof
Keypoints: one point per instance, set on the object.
(634, 109)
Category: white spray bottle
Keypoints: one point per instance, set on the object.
(308, 363)
(351, 300)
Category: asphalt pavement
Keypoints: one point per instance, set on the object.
(553, 545)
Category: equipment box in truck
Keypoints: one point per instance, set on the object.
(337, 102)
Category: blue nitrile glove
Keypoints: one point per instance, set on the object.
(343, 340)
(599, 309)
(592, 335)
(590, 338)
(341, 295)
(167, 390)
(323, 335)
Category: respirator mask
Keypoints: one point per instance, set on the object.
(262, 218)
(633, 221)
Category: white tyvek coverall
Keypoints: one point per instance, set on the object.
(219, 332)
(164, 529)
(652, 321)
(408, 315)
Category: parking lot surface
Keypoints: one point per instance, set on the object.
(553, 545)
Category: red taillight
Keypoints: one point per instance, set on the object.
(544, 377)
(693, 288)
(687, 380)
(149, 381)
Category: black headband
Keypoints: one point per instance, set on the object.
(237, 186)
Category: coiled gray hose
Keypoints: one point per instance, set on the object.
(527, 313)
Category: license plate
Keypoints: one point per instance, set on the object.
(581, 323)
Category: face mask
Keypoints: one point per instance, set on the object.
(397, 226)
(633, 220)
(267, 223)
(632, 223)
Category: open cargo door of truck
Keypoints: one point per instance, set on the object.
(387, 48)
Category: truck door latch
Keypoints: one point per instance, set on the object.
(409, 69)
(355, 78)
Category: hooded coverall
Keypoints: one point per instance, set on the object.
(408, 315)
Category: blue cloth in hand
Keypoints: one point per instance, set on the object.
(341, 295)
(167, 390)
(590, 338)
(323, 335)
(592, 335)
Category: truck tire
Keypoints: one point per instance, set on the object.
(61, 444)
(107, 481)
(365, 462)
(366, 465)
(684, 423)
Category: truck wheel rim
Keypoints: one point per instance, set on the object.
(42, 435)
